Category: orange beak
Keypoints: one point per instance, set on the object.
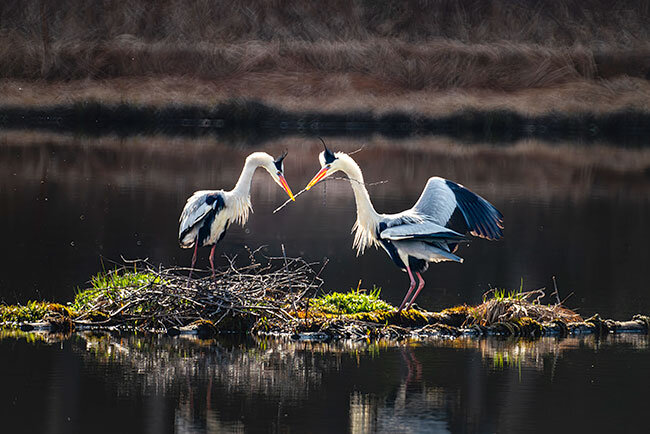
(286, 187)
(320, 175)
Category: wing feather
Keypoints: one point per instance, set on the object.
(197, 208)
(428, 252)
(437, 201)
(441, 199)
(421, 230)
(482, 218)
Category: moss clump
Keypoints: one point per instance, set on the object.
(463, 310)
(352, 302)
(58, 316)
(95, 316)
(31, 312)
(61, 310)
(410, 318)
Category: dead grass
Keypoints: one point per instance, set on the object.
(553, 23)
(335, 92)
(517, 307)
(374, 47)
(380, 65)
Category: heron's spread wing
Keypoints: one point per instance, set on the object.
(453, 206)
(420, 230)
(197, 208)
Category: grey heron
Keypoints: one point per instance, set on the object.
(430, 231)
(208, 213)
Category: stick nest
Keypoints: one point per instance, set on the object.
(143, 296)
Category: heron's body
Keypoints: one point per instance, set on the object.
(208, 213)
(428, 232)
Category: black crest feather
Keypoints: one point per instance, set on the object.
(329, 155)
(278, 161)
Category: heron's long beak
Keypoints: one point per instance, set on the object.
(320, 175)
(284, 184)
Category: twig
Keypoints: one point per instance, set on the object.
(338, 178)
(289, 200)
(557, 294)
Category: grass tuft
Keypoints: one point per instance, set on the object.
(31, 312)
(354, 301)
(111, 286)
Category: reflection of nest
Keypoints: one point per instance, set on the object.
(156, 363)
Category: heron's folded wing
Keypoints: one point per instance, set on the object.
(426, 251)
(421, 230)
(198, 206)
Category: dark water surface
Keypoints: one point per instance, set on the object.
(71, 206)
(129, 383)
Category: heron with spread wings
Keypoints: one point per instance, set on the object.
(208, 213)
(430, 231)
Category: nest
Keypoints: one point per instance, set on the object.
(518, 306)
(234, 298)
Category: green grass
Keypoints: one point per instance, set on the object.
(111, 285)
(355, 301)
(505, 294)
(30, 312)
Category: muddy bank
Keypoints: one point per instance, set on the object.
(411, 325)
(283, 297)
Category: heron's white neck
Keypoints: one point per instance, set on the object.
(243, 186)
(240, 194)
(365, 227)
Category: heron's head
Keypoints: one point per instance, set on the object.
(275, 167)
(330, 163)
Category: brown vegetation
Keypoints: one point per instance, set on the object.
(558, 22)
(428, 56)
(378, 66)
(335, 92)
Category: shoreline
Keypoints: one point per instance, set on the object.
(259, 122)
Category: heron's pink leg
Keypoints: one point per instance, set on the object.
(420, 286)
(410, 288)
(214, 246)
(196, 247)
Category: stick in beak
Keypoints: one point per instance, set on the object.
(320, 175)
(286, 187)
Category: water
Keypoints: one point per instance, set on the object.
(71, 206)
(129, 383)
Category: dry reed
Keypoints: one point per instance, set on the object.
(414, 46)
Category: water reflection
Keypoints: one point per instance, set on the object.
(69, 203)
(252, 384)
